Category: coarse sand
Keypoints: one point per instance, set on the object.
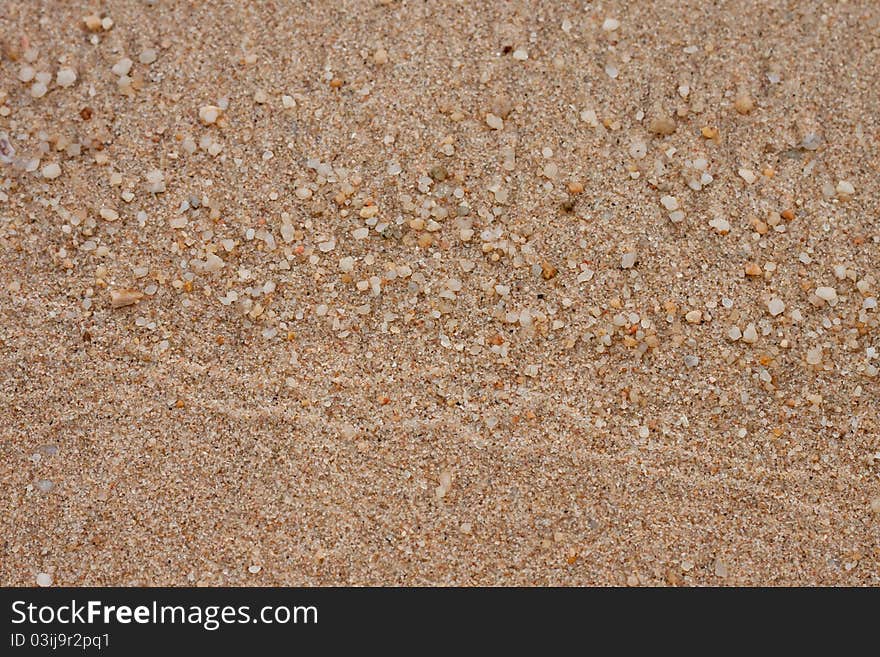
(415, 293)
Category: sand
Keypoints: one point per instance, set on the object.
(439, 293)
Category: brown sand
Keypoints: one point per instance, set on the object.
(579, 341)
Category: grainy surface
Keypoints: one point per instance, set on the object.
(434, 346)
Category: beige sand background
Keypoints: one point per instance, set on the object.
(434, 346)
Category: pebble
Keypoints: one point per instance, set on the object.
(744, 104)
(775, 306)
(155, 181)
(65, 77)
(7, 152)
(521, 54)
(750, 335)
(694, 317)
(628, 260)
(51, 171)
(734, 333)
(691, 361)
(208, 114)
(828, 294)
(122, 298)
(38, 90)
(669, 202)
(720, 224)
(662, 125)
(814, 355)
(108, 214)
(148, 56)
(610, 24)
(638, 149)
(122, 67)
(213, 263)
(845, 188)
(748, 175)
(494, 122)
(44, 579)
(253, 570)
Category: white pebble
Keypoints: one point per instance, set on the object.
(208, 114)
(750, 335)
(26, 73)
(155, 181)
(720, 224)
(845, 188)
(38, 90)
(627, 260)
(814, 355)
(494, 122)
(638, 149)
(521, 54)
(148, 56)
(669, 202)
(828, 294)
(65, 77)
(748, 175)
(44, 579)
(775, 306)
(610, 24)
(213, 263)
(122, 67)
(51, 171)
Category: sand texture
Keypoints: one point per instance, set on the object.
(415, 293)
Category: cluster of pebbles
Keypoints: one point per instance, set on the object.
(377, 294)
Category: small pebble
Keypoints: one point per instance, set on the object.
(610, 24)
(775, 306)
(744, 104)
(662, 125)
(748, 175)
(65, 77)
(750, 335)
(845, 188)
(122, 298)
(669, 202)
(51, 171)
(122, 67)
(147, 56)
(494, 122)
(44, 579)
(208, 114)
(828, 294)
